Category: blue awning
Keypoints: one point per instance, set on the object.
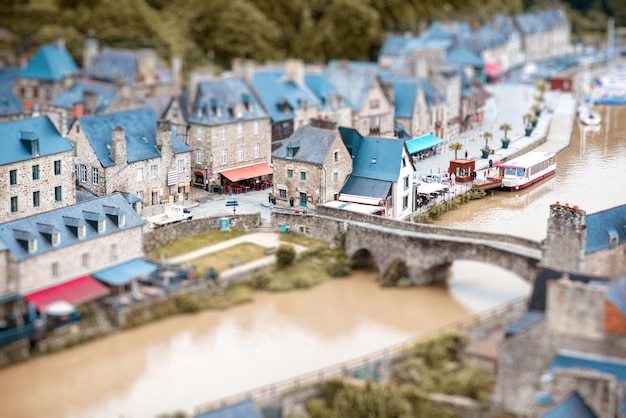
(123, 273)
(423, 143)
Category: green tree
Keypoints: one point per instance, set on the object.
(487, 136)
(234, 28)
(285, 255)
(371, 401)
(349, 29)
(456, 147)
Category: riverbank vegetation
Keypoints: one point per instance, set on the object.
(429, 367)
(438, 209)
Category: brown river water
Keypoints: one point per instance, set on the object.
(185, 361)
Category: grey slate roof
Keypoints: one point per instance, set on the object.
(14, 149)
(139, 128)
(361, 186)
(62, 220)
(405, 90)
(352, 83)
(314, 145)
(602, 225)
(117, 64)
(76, 93)
(50, 63)
(217, 99)
(319, 85)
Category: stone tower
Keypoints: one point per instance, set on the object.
(565, 243)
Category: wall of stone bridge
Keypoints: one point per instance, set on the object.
(425, 257)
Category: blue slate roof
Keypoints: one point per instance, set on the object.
(361, 186)
(76, 93)
(274, 89)
(50, 63)
(566, 359)
(323, 89)
(373, 158)
(245, 409)
(217, 98)
(603, 225)
(463, 56)
(139, 128)
(352, 83)
(431, 94)
(9, 103)
(394, 46)
(14, 149)
(616, 294)
(405, 90)
(63, 219)
(573, 406)
(313, 145)
(539, 292)
(527, 320)
(116, 64)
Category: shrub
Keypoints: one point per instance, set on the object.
(188, 303)
(317, 408)
(285, 255)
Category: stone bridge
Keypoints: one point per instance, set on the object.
(426, 250)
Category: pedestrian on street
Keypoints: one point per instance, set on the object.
(466, 154)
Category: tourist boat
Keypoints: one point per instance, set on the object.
(526, 169)
(587, 116)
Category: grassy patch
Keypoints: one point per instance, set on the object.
(221, 260)
(308, 242)
(195, 242)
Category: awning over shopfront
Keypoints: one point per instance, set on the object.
(354, 207)
(493, 70)
(124, 273)
(77, 291)
(423, 143)
(247, 172)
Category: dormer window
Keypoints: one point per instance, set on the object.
(81, 231)
(30, 140)
(102, 226)
(613, 238)
(122, 219)
(56, 239)
(116, 215)
(32, 245)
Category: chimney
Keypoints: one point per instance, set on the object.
(566, 238)
(147, 66)
(164, 137)
(118, 146)
(91, 50)
(294, 70)
(323, 123)
(90, 102)
(177, 71)
(61, 43)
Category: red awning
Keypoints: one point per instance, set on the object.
(75, 291)
(247, 172)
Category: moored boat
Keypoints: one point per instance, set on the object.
(526, 169)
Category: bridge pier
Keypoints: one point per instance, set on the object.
(432, 275)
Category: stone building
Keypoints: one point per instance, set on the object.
(35, 168)
(382, 174)
(311, 166)
(594, 244)
(46, 74)
(132, 152)
(230, 134)
(573, 355)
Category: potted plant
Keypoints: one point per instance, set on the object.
(536, 108)
(291, 201)
(528, 129)
(486, 150)
(505, 127)
(533, 121)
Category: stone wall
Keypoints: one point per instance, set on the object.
(167, 234)
(526, 356)
(564, 246)
(576, 308)
(14, 353)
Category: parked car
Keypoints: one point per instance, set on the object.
(436, 178)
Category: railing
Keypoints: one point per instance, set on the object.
(13, 334)
(275, 390)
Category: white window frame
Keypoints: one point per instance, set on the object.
(256, 127)
(198, 155)
(199, 133)
(224, 156)
(94, 176)
(240, 153)
(181, 166)
(239, 130)
(257, 150)
(139, 174)
(154, 171)
(224, 133)
(83, 174)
